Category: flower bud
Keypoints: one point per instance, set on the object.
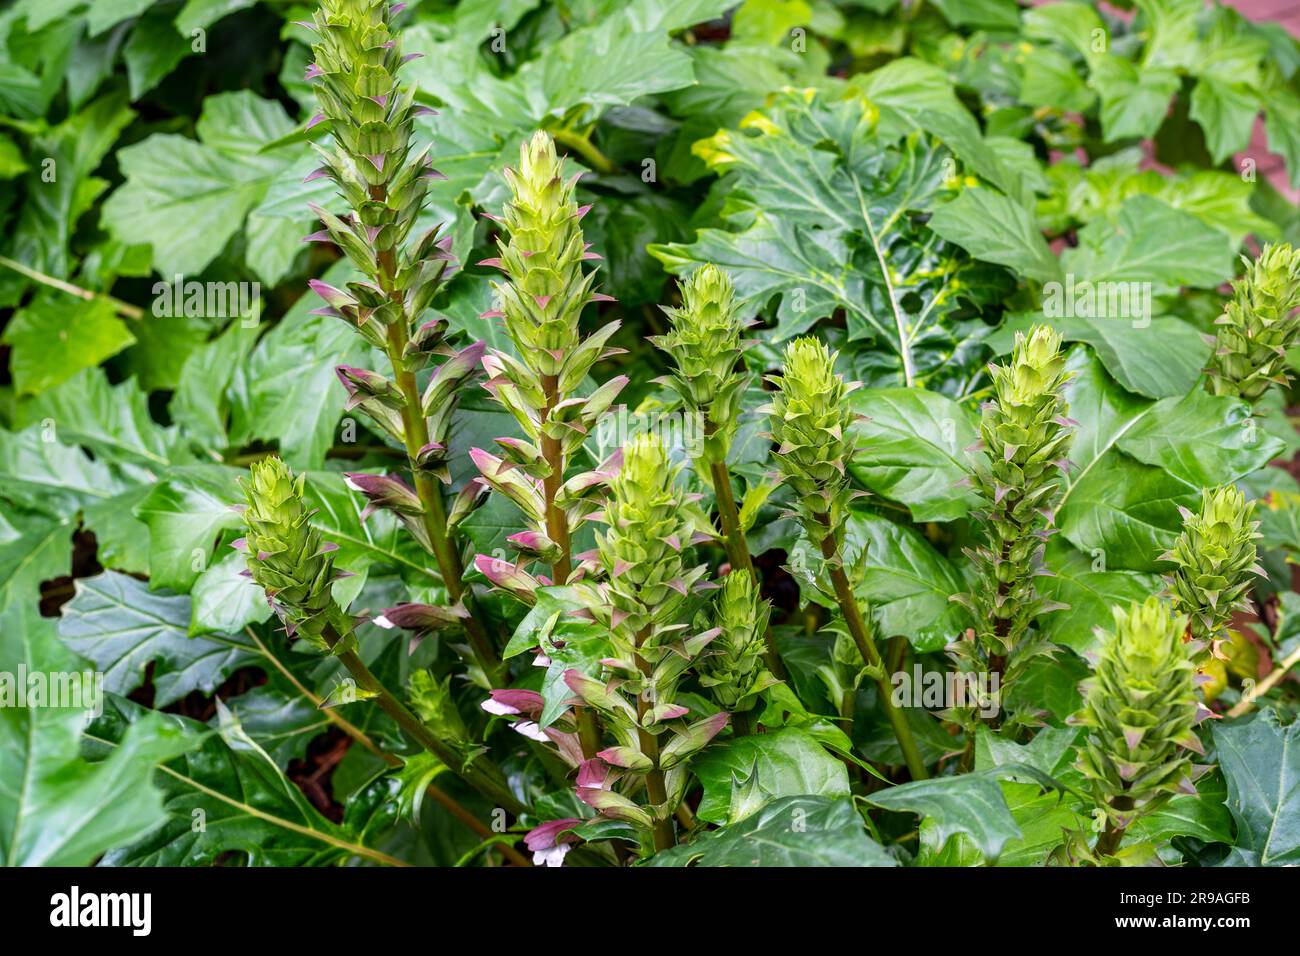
(1027, 436)
(1215, 554)
(705, 345)
(285, 554)
(1140, 707)
(732, 666)
(1259, 324)
(546, 289)
(810, 422)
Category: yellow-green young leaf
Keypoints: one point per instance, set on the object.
(755, 497)
(57, 336)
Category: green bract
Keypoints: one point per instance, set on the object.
(706, 347)
(732, 667)
(1258, 326)
(1216, 556)
(1140, 707)
(286, 556)
(1026, 436)
(810, 421)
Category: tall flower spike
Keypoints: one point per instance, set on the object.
(1140, 707)
(285, 554)
(545, 290)
(1027, 436)
(647, 580)
(1259, 324)
(1215, 555)
(732, 667)
(382, 178)
(810, 423)
(706, 347)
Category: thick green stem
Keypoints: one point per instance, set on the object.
(737, 548)
(1110, 838)
(479, 774)
(580, 144)
(557, 529)
(415, 431)
(664, 835)
(740, 723)
(867, 648)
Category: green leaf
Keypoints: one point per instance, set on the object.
(1134, 100)
(823, 215)
(1112, 505)
(200, 404)
(1226, 112)
(791, 831)
(1158, 358)
(971, 804)
(994, 228)
(1282, 124)
(376, 543)
(911, 449)
(1082, 582)
(102, 14)
(1172, 32)
(186, 198)
(918, 97)
(122, 627)
(235, 789)
(112, 421)
(56, 336)
(742, 774)
(288, 391)
(1261, 761)
(186, 514)
(152, 52)
(909, 583)
(56, 809)
(1202, 439)
(56, 480)
(70, 152)
(225, 601)
(1151, 241)
(1049, 79)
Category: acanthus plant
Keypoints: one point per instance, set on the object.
(622, 726)
(944, 543)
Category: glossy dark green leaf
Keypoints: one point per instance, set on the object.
(742, 774)
(792, 831)
(1261, 762)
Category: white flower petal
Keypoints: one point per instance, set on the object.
(493, 706)
(551, 856)
(530, 730)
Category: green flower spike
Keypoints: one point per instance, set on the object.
(540, 302)
(646, 582)
(1140, 707)
(706, 346)
(1216, 559)
(286, 556)
(732, 667)
(1259, 324)
(810, 423)
(1026, 435)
